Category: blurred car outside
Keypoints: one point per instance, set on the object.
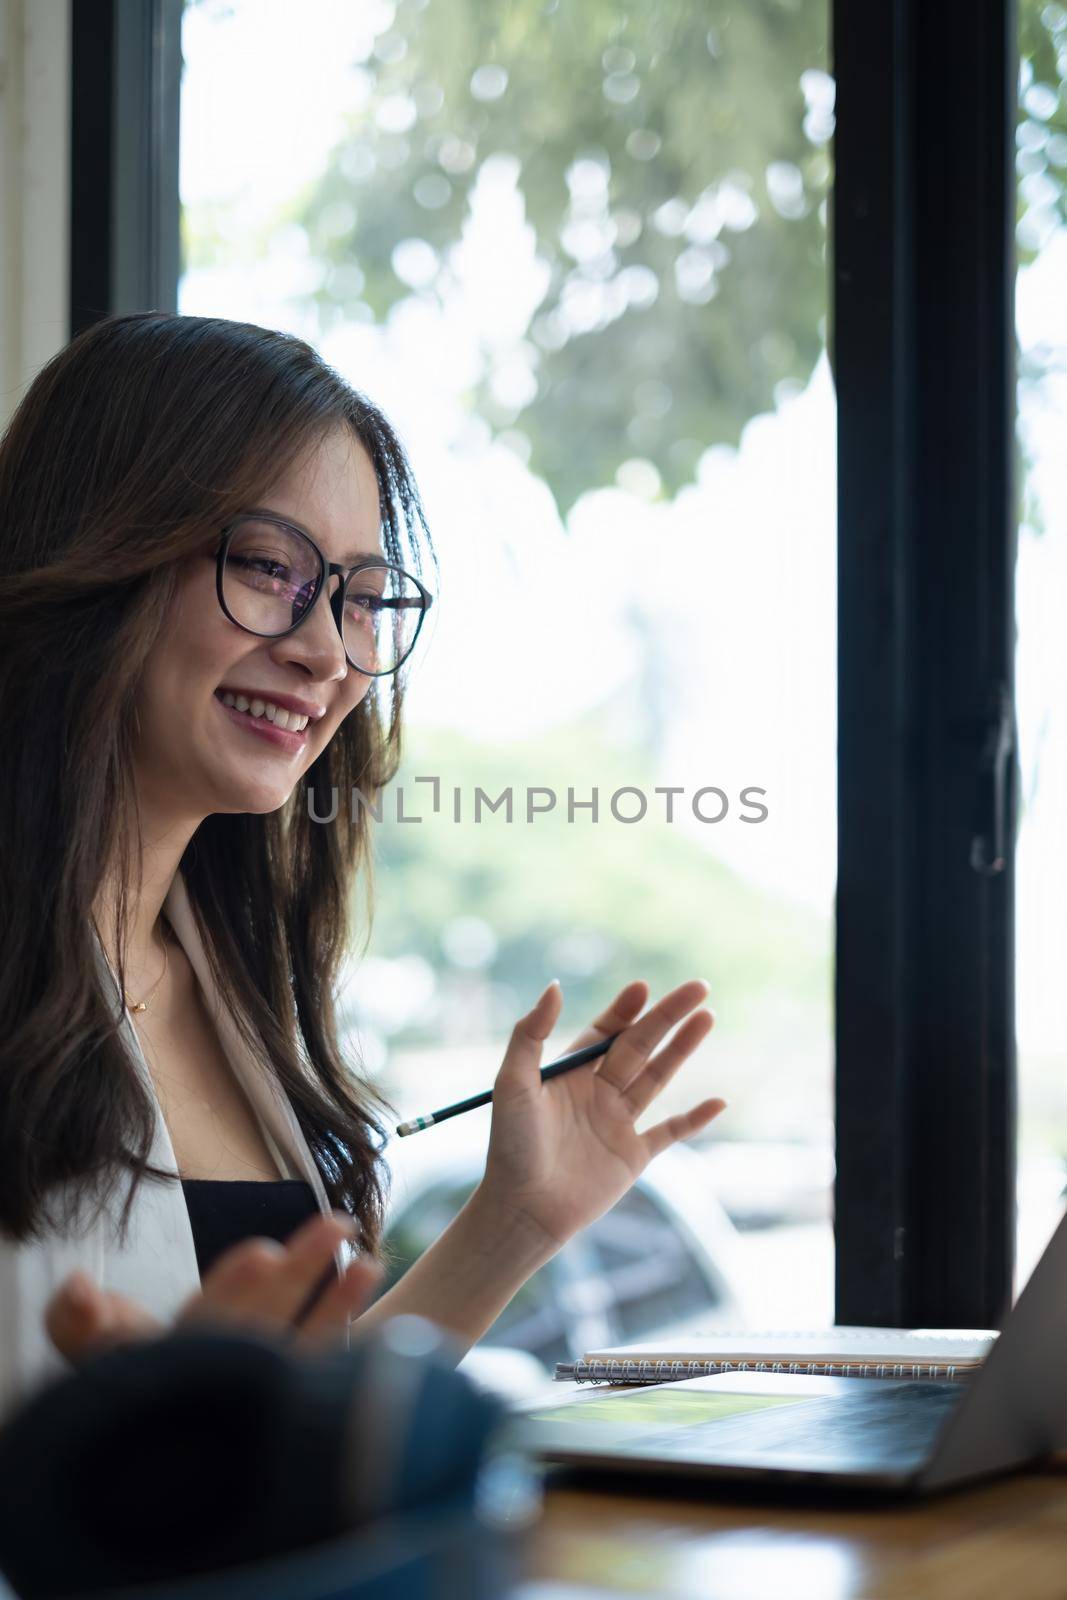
(770, 1183)
(663, 1261)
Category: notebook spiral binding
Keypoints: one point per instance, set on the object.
(670, 1371)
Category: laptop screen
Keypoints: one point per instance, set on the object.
(620, 1416)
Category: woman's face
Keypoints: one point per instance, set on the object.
(196, 757)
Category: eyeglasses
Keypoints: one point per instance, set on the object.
(270, 573)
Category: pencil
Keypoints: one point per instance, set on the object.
(577, 1058)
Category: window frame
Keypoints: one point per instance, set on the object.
(125, 210)
(924, 278)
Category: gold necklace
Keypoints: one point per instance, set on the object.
(142, 1005)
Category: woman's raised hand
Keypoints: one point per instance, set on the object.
(257, 1284)
(562, 1153)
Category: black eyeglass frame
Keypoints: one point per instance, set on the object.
(327, 569)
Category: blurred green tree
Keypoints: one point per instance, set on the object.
(1041, 134)
(672, 161)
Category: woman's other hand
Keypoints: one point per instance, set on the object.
(562, 1153)
(256, 1284)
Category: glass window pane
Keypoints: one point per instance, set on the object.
(580, 261)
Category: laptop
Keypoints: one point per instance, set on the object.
(902, 1435)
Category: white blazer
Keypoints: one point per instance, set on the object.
(157, 1264)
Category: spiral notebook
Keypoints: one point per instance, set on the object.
(842, 1352)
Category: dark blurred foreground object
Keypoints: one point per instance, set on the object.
(218, 1464)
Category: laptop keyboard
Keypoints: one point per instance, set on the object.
(886, 1429)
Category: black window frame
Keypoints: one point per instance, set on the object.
(924, 346)
(125, 211)
(923, 341)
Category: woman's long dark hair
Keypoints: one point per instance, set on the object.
(145, 434)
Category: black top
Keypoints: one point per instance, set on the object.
(222, 1212)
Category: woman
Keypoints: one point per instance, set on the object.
(180, 1134)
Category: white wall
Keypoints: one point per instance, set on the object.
(34, 190)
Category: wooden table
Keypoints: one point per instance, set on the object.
(1005, 1540)
(1001, 1540)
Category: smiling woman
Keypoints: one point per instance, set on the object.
(145, 434)
(181, 497)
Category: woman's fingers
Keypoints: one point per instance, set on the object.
(520, 1070)
(258, 1283)
(683, 1126)
(346, 1297)
(628, 1055)
(621, 1012)
(266, 1283)
(662, 1067)
(82, 1319)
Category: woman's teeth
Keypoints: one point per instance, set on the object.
(266, 708)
